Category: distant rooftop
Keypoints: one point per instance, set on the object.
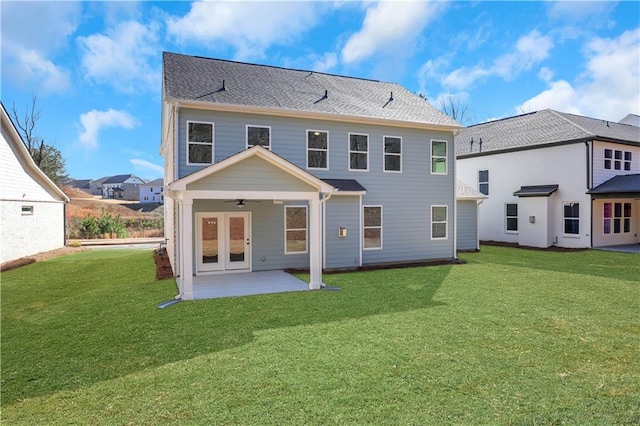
(217, 81)
(540, 128)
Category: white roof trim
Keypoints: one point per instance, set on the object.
(25, 159)
(258, 151)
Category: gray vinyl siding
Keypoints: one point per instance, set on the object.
(342, 211)
(467, 231)
(406, 197)
(267, 233)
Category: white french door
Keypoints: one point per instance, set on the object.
(223, 242)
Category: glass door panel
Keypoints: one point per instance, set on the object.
(238, 241)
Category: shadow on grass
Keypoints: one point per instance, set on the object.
(92, 317)
(142, 207)
(598, 263)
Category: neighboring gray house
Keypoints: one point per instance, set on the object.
(96, 185)
(31, 205)
(272, 168)
(125, 187)
(152, 192)
(554, 179)
(83, 185)
(468, 200)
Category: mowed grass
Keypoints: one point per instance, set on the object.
(512, 337)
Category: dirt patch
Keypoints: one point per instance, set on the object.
(23, 261)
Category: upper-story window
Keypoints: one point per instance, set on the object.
(317, 149)
(199, 142)
(438, 157)
(616, 159)
(483, 181)
(358, 152)
(259, 135)
(392, 154)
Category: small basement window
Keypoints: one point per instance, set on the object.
(27, 210)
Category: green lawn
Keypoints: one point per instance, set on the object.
(512, 337)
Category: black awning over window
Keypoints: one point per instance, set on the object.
(536, 191)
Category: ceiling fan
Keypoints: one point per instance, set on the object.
(240, 203)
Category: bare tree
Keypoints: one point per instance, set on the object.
(455, 108)
(48, 158)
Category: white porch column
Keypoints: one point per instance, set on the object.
(315, 244)
(186, 248)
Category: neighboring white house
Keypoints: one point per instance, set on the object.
(554, 179)
(125, 187)
(31, 205)
(152, 192)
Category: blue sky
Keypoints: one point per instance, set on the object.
(96, 66)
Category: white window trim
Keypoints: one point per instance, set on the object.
(28, 211)
(604, 158)
(213, 140)
(481, 181)
(507, 231)
(358, 152)
(246, 135)
(446, 222)
(316, 149)
(446, 157)
(384, 155)
(373, 227)
(624, 161)
(306, 229)
(564, 234)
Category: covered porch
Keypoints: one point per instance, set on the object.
(232, 223)
(616, 212)
(245, 284)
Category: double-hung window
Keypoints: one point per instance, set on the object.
(393, 154)
(358, 152)
(295, 229)
(259, 135)
(483, 181)
(372, 232)
(572, 218)
(199, 142)
(511, 217)
(438, 222)
(438, 157)
(317, 149)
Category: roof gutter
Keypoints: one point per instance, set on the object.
(313, 115)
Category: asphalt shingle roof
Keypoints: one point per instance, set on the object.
(466, 192)
(346, 185)
(619, 184)
(540, 128)
(155, 182)
(219, 81)
(117, 179)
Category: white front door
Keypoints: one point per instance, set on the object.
(223, 242)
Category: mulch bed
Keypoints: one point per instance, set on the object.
(163, 266)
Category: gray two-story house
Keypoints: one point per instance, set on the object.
(273, 168)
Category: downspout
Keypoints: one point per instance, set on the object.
(589, 161)
(455, 201)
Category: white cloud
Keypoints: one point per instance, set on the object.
(529, 50)
(94, 121)
(122, 57)
(29, 42)
(545, 74)
(30, 66)
(388, 25)
(580, 11)
(145, 166)
(326, 62)
(609, 87)
(250, 27)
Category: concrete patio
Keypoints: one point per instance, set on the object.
(245, 284)
(624, 248)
